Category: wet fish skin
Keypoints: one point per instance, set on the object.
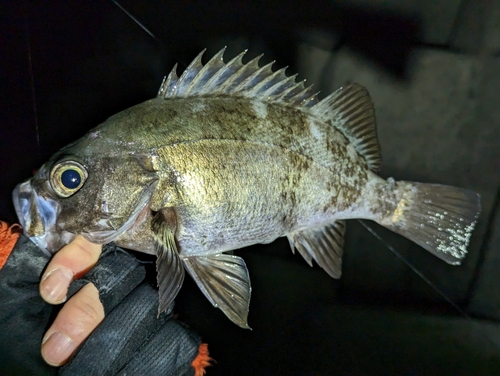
(230, 155)
(221, 198)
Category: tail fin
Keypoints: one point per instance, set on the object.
(437, 217)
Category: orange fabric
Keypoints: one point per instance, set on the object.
(8, 239)
(202, 361)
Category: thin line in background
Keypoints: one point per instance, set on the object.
(136, 20)
(32, 85)
(429, 282)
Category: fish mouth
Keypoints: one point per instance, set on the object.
(37, 216)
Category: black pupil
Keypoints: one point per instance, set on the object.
(71, 179)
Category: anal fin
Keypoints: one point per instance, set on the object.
(224, 280)
(169, 268)
(323, 244)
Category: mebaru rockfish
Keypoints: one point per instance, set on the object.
(230, 155)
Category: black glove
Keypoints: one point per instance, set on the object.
(130, 340)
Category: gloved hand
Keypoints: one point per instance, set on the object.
(130, 340)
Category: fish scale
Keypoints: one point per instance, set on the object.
(254, 184)
(229, 155)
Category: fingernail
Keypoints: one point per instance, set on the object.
(55, 285)
(57, 348)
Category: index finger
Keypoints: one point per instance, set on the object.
(72, 261)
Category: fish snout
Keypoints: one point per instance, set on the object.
(37, 216)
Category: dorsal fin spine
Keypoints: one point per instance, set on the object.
(293, 85)
(242, 74)
(161, 90)
(189, 74)
(272, 81)
(224, 86)
(213, 84)
(311, 101)
(276, 89)
(260, 88)
(169, 83)
(209, 69)
(297, 98)
(247, 82)
(293, 91)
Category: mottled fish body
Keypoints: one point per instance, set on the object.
(230, 155)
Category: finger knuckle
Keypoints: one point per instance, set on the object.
(85, 252)
(88, 310)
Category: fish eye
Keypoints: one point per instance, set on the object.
(71, 178)
(67, 177)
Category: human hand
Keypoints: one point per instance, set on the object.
(160, 345)
(81, 314)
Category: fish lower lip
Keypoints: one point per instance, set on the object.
(15, 195)
(41, 242)
(16, 199)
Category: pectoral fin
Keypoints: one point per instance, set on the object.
(224, 280)
(324, 245)
(169, 268)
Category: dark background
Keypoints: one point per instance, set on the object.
(433, 69)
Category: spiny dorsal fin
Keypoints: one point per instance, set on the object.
(350, 109)
(235, 78)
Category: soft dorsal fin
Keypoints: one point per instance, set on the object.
(349, 109)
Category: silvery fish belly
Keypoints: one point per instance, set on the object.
(229, 155)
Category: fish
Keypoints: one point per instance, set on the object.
(228, 155)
